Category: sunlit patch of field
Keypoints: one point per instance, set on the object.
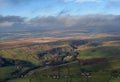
(112, 43)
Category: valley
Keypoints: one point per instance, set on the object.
(71, 59)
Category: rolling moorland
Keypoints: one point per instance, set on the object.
(93, 58)
(59, 40)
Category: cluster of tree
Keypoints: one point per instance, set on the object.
(58, 55)
(115, 74)
(75, 43)
(10, 62)
(6, 62)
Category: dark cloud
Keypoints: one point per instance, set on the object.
(63, 12)
(11, 19)
(96, 23)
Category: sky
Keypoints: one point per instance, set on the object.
(59, 14)
(33, 8)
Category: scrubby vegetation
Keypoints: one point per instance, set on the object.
(61, 61)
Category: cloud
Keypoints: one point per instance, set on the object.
(6, 24)
(24, 2)
(63, 12)
(115, 0)
(82, 0)
(14, 2)
(9, 21)
(96, 23)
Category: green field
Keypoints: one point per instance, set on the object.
(55, 67)
(73, 72)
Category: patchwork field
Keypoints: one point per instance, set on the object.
(66, 60)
